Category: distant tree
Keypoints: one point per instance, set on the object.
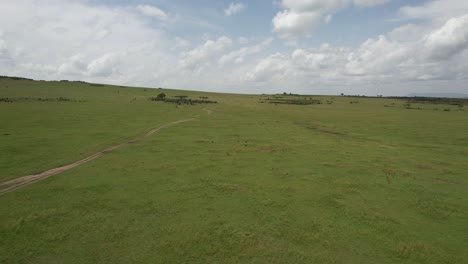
(342, 94)
(161, 97)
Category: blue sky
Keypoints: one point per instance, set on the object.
(350, 27)
(391, 47)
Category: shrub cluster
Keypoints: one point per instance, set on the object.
(433, 100)
(15, 78)
(37, 99)
(292, 101)
(182, 99)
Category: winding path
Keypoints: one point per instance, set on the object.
(17, 183)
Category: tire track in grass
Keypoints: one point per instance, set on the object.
(17, 183)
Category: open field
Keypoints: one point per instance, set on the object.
(357, 180)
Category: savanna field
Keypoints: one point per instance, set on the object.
(249, 179)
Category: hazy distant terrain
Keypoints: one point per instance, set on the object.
(448, 95)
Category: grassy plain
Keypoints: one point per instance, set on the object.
(250, 183)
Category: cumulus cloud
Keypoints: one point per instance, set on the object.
(181, 42)
(6, 60)
(234, 8)
(104, 65)
(436, 9)
(302, 17)
(152, 11)
(449, 40)
(272, 68)
(368, 3)
(238, 56)
(376, 58)
(42, 40)
(202, 54)
(439, 54)
(290, 24)
(92, 43)
(320, 62)
(408, 32)
(75, 65)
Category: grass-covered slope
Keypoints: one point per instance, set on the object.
(38, 133)
(253, 182)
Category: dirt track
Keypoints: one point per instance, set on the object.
(30, 179)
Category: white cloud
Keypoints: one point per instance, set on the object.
(289, 24)
(272, 68)
(408, 32)
(303, 6)
(322, 61)
(104, 65)
(152, 11)
(117, 45)
(376, 59)
(6, 61)
(234, 8)
(238, 56)
(181, 42)
(44, 41)
(76, 64)
(369, 3)
(302, 17)
(428, 55)
(202, 54)
(449, 40)
(302, 66)
(436, 9)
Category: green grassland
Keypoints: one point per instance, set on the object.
(252, 182)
